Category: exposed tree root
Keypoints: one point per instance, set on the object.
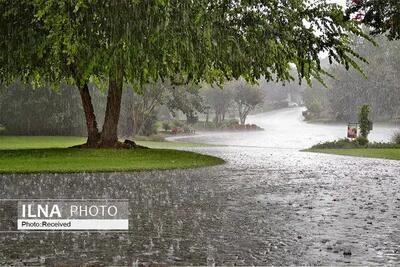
(127, 144)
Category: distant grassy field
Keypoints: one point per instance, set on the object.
(385, 153)
(21, 154)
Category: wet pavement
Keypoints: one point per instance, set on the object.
(269, 205)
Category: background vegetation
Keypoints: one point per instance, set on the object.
(44, 111)
(348, 90)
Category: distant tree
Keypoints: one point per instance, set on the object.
(278, 94)
(42, 111)
(380, 89)
(246, 97)
(187, 99)
(363, 120)
(139, 109)
(142, 108)
(166, 126)
(348, 89)
(316, 100)
(220, 100)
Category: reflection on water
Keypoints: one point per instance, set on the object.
(266, 206)
(285, 128)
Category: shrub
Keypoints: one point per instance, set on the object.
(396, 138)
(383, 145)
(187, 129)
(229, 124)
(177, 124)
(166, 126)
(315, 107)
(341, 143)
(361, 141)
(200, 125)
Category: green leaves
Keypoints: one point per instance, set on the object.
(200, 40)
(363, 120)
(383, 16)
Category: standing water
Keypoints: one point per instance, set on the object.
(268, 205)
(286, 128)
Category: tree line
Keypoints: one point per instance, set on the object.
(378, 86)
(42, 111)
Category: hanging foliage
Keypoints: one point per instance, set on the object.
(48, 41)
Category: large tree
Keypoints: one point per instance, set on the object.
(140, 41)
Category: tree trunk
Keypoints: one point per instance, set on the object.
(241, 113)
(216, 119)
(242, 120)
(109, 134)
(91, 124)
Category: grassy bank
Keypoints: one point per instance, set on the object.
(385, 153)
(20, 154)
(359, 147)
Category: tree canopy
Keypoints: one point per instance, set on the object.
(140, 41)
(152, 39)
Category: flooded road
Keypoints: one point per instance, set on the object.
(285, 128)
(269, 205)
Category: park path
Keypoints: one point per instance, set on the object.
(269, 205)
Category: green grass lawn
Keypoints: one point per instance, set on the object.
(21, 154)
(30, 142)
(385, 153)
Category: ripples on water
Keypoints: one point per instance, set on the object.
(266, 206)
